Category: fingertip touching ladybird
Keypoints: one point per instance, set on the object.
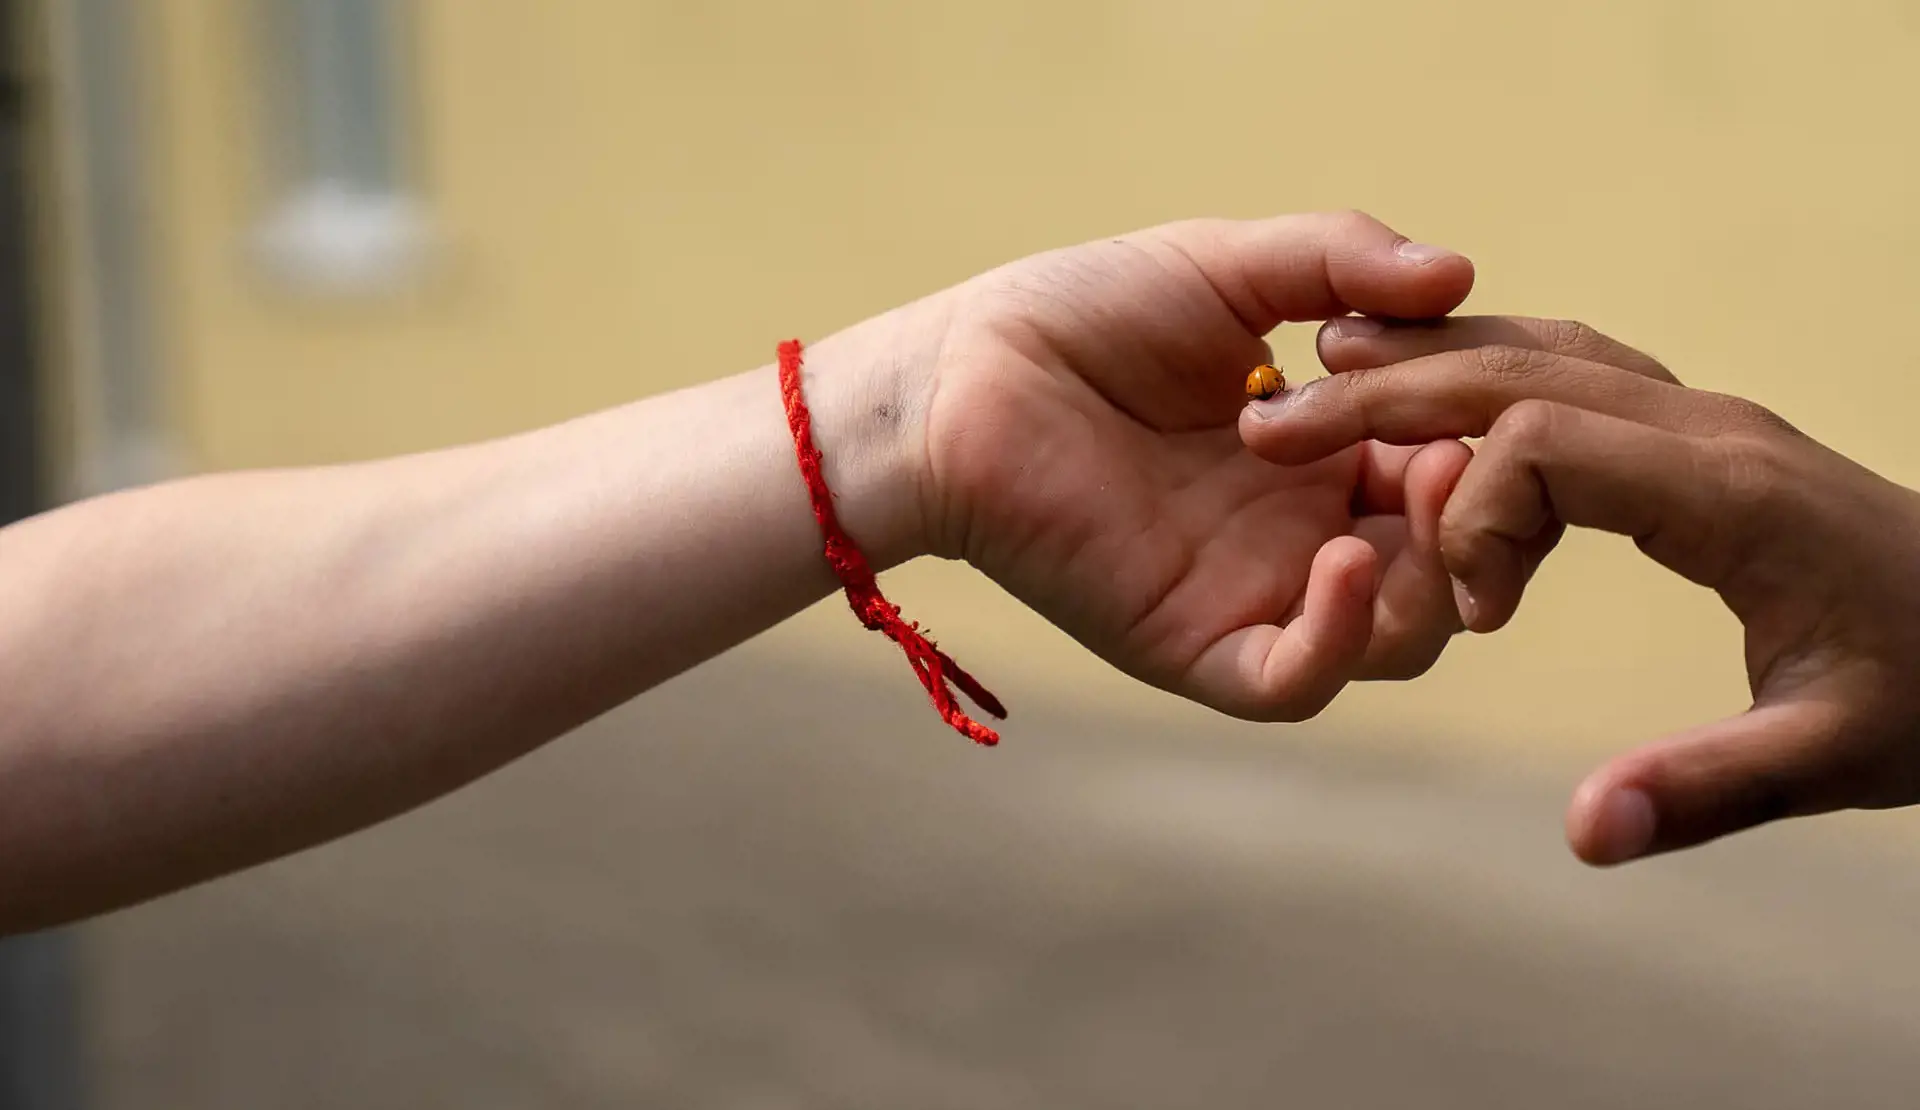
(1265, 382)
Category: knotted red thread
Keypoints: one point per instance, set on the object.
(935, 668)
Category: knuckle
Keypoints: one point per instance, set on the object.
(1342, 225)
(1350, 220)
(1750, 478)
(1575, 339)
(1751, 416)
(1506, 363)
(1523, 433)
(1345, 392)
(1753, 474)
(1201, 229)
(1526, 427)
(1572, 337)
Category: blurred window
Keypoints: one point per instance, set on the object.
(342, 209)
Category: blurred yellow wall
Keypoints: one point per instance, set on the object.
(638, 195)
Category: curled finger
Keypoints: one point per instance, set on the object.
(1271, 672)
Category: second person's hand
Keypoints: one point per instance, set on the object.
(1814, 554)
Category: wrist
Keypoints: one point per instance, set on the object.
(868, 390)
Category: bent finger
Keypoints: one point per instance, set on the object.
(1273, 673)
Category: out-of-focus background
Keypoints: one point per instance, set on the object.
(245, 233)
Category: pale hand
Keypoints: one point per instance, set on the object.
(1070, 430)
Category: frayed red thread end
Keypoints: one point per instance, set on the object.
(936, 670)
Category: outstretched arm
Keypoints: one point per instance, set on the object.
(209, 673)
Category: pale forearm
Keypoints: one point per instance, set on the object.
(201, 677)
(208, 674)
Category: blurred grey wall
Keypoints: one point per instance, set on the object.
(39, 1065)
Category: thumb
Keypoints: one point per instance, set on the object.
(1774, 761)
(1320, 265)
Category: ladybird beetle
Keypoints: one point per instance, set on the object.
(1264, 382)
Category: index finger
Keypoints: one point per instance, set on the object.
(1359, 343)
(1453, 395)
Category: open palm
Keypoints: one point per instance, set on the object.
(1082, 451)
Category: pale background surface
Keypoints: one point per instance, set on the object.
(635, 196)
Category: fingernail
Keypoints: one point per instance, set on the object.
(1354, 327)
(1421, 252)
(1272, 407)
(1626, 824)
(1463, 600)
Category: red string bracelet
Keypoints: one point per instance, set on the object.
(935, 668)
